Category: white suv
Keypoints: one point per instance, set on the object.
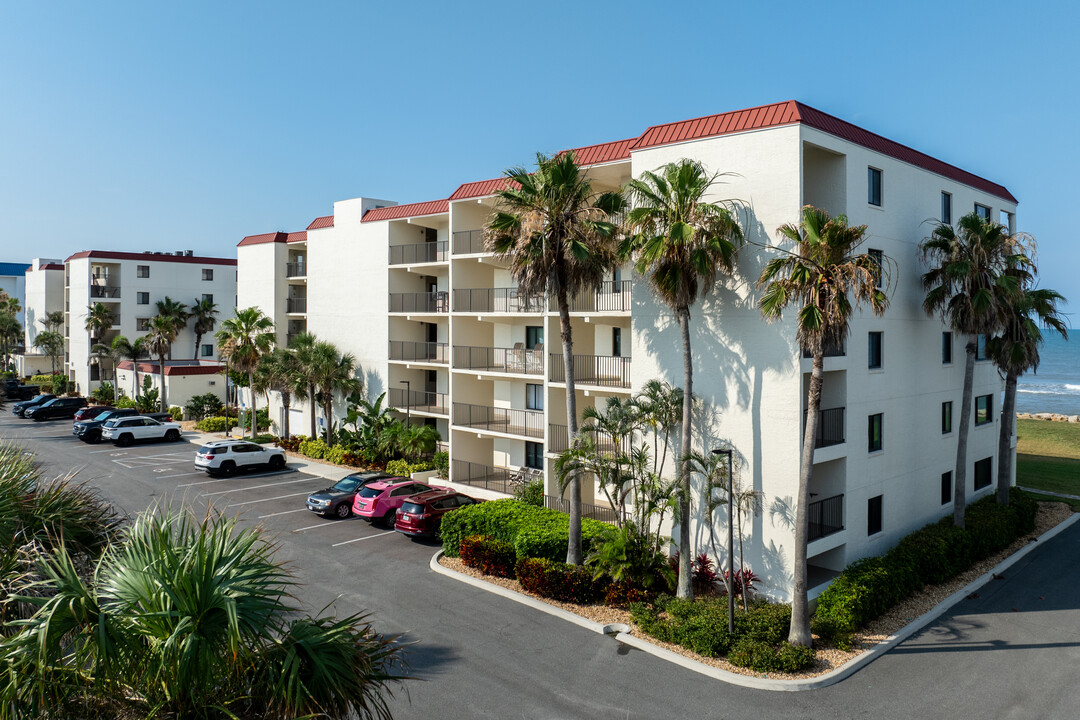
(138, 428)
(225, 457)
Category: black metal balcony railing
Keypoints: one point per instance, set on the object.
(469, 242)
(825, 517)
(499, 479)
(497, 359)
(419, 351)
(527, 423)
(429, 302)
(419, 401)
(424, 252)
(610, 297)
(602, 370)
(830, 427)
(830, 351)
(296, 304)
(507, 300)
(105, 291)
(295, 269)
(596, 512)
(559, 440)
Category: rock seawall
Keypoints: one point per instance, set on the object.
(1055, 417)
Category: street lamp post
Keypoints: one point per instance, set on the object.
(407, 398)
(730, 543)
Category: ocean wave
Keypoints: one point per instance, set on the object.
(1063, 389)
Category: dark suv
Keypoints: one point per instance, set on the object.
(56, 409)
(19, 409)
(337, 500)
(17, 391)
(421, 515)
(89, 431)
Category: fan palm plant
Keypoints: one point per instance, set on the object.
(823, 275)
(243, 339)
(333, 373)
(280, 372)
(176, 313)
(159, 341)
(53, 320)
(50, 343)
(681, 243)
(304, 347)
(133, 351)
(98, 319)
(556, 233)
(204, 316)
(968, 276)
(10, 332)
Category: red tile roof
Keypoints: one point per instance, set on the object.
(480, 188)
(294, 237)
(47, 266)
(263, 238)
(326, 221)
(152, 367)
(393, 212)
(730, 122)
(604, 152)
(151, 257)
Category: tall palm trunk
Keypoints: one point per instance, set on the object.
(198, 341)
(251, 391)
(800, 605)
(164, 403)
(286, 401)
(328, 408)
(573, 547)
(682, 467)
(1005, 433)
(311, 408)
(960, 474)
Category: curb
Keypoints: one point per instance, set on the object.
(832, 677)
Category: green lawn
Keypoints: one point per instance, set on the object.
(1048, 456)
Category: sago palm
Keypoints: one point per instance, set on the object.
(556, 233)
(826, 277)
(243, 339)
(682, 243)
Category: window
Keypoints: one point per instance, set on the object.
(616, 280)
(874, 432)
(142, 298)
(877, 257)
(982, 211)
(534, 397)
(983, 470)
(946, 208)
(95, 372)
(980, 348)
(946, 488)
(946, 348)
(946, 417)
(984, 409)
(873, 350)
(534, 455)
(142, 271)
(873, 186)
(208, 351)
(873, 515)
(616, 342)
(142, 324)
(208, 274)
(208, 298)
(534, 335)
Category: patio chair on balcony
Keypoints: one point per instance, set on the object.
(515, 361)
(535, 359)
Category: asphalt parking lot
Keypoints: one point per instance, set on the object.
(478, 655)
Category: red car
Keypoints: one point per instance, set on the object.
(91, 412)
(421, 515)
(381, 500)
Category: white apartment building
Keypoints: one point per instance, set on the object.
(44, 293)
(130, 285)
(13, 282)
(439, 324)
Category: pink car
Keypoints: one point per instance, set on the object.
(381, 500)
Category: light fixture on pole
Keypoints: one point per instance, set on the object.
(407, 414)
(730, 541)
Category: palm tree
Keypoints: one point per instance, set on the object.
(967, 279)
(10, 332)
(132, 351)
(243, 339)
(555, 233)
(50, 343)
(159, 342)
(280, 371)
(660, 408)
(333, 372)
(304, 347)
(98, 319)
(824, 275)
(1015, 351)
(176, 313)
(53, 320)
(681, 243)
(204, 313)
(418, 440)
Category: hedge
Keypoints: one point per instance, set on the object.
(533, 531)
(214, 424)
(560, 581)
(932, 555)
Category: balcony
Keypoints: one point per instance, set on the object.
(610, 297)
(469, 242)
(428, 352)
(509, 421)
(830, 428)
(599, 370)
(296, 305)
(558, 440)
(295, 269)
(833, 350)
(425, 252)
(499, 479)
(603, 513)
(499, 359)
(433, 403)
(497, 300)
(825, 517)
(110, 292)
(428, 302)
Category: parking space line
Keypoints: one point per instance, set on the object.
(368, 537)
(325, 523)
(250, 477)
(283, 512)
(278, 497)
(255, 487)
(112, 450)
(162, 477)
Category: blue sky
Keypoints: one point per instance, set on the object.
(188, 125)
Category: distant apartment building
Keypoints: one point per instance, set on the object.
(44, 293)
(438, 324)
(13, 282)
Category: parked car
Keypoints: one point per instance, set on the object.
(15, 390)
(421, 515)
(89, 431)
(139, 428)
(381, 499)
(226, 457)
(92, 411)
(337, 500)
(20, 408)
(56, 409)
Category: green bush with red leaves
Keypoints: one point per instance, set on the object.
(488, 555)
(559, 581)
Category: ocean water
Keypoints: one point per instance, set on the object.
(1055, 387)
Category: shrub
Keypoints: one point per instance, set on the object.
(292, 444)
(61, 384)
(627, 554)
(533, 531)
(531, 493)
(104, 393)
(176, 413)
(702, 574)
(404, 468)
(203, 406)
(263, 439)
(763, 657)
(488, 555)
(262, 419)
(335, 454)
(558, 581)
(124, 402)
(623, 593)
(213, 424)
(743, 578)
(315, 448)
(442, 464)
